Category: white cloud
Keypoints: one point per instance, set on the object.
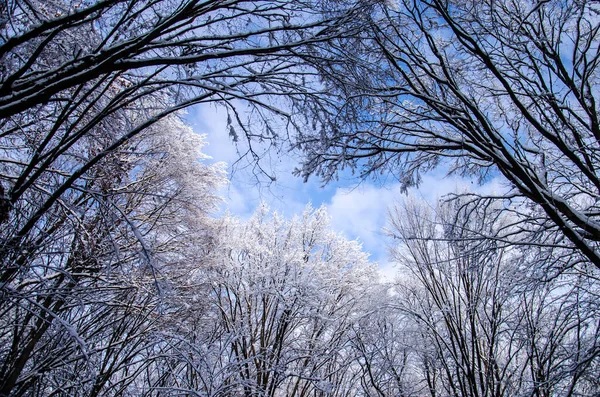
(388, 271)
(287, 195)
(212, 120)
(436, 186)
(361, 213)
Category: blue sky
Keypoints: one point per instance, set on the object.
(359, 212)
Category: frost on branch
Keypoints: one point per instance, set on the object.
(281, 302)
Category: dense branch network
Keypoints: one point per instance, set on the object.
(485, 88)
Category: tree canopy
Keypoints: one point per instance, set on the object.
(482, 88)
(117, 279)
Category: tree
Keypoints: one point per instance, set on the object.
(485, 88)
(109, 69)
(480, 327)
(283, 298)
(386, 349)
(79, 316)
(101, 190)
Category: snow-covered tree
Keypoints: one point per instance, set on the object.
(80, 300)
(102, 196)
(283, 298)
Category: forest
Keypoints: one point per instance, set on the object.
(120, 277)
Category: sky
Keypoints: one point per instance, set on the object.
(358, 211)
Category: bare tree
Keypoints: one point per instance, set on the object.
(480, 326)
(73, 72)
(483, 88)
(386, 348)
